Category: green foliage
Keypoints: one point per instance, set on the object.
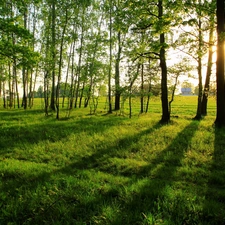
(8, 26)
(13, 39)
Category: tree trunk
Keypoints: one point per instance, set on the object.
(80, 60)
(81, 94)
(173, 93)
(149, 88)
(60, 65)
(148, 98)
(199, 105)
(30, 96)
(200, 45)
(92, 65)
(9, 97)
(72, 80)
(17, 92)
(110, 59)
(142, 88)
(89, 93)
(53, 52)
(46, 76)
(14, 82)
(46, 92)
(132, 80)
(34, 85)
(24, 74)
(117, 73)
(67, 75)
(209, 68)
(24, 69)
(164, 96)
(4, 95)
(220, 100)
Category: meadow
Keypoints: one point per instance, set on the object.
(110, 169)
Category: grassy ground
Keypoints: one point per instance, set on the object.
(109, 169)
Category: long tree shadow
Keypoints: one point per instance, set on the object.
(157, 175)
(152, 179)
(13, 181)
(214, 208)
(99, 158)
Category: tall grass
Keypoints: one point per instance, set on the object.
(109, 169)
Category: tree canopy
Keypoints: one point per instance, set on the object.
(87, 44)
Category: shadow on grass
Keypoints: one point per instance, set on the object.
(214, 208)
(12, 181)
(151, 180)
(99, 158)
(13, 113)
(159, 174)
(149, 183)
(22, 134)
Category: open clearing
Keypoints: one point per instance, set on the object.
(109, 169)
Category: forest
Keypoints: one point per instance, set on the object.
(112, 112)
(76, 51)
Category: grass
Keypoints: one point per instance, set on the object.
(109, 169)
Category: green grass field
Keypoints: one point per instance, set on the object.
(110, 169)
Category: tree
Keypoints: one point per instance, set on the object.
(155, 19)
(209, 62)
(162, 55)
(121, 31)
(61, 51)
(117, 72)
(220, 113)
(52, 10)
(14, 45)
(199, 60)
(192, 41)
(175, 72)
(110, 58)
(132, 76)
(78, 73)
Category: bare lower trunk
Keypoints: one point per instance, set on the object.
(209, 69)
(164, 96)
(220, 114)
(199, 106)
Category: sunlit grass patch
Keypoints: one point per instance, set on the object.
(109, 169)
